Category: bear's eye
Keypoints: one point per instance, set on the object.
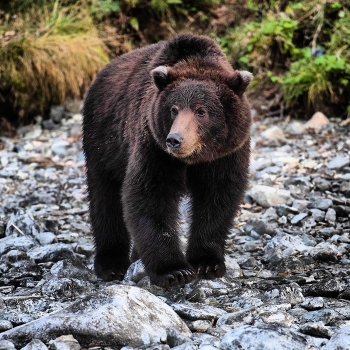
(174, 111)
(201, 112)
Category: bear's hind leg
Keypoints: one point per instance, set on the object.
(112, 241)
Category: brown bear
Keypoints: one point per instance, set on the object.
(160, 122)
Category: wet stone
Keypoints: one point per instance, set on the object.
(262, 337)
(325, 315)
(319, 203)
(65, 342)
(317, 214)
(331, 215)
(300, 204)
(281, 318)
(327, 288)
(52, 252)
(237, 319)
(338, 162)
(312, 303)
(35, 344)
(6, 345)
(317, 329)
(176, 338)
(198, 311)
(339, 340)
(5, 325)
(297, 218)
(72, 269)
(199, 325)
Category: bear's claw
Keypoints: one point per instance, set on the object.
(174, 278)
(211, 271)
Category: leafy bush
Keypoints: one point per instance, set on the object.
(47, 54)
(303, 46)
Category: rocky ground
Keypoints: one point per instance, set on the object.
(288, 254)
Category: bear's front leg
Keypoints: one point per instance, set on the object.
(151, 193)
(217, 189)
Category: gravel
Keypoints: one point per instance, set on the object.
(288, 253)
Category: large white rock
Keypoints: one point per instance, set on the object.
(262, 337)
(340, 340)
(269, 196)
(115, 316)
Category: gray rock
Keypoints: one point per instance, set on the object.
(176, 338)
(66, 288)
(325, 251)
(313, 303)
(135, 272)
(340, 340)
(338, 162)
(269, 196)
(45, 238)
(198, 311)
(6, 345)
(23, 243)
(258, 226)
(5, 325)
(35, 344)
(115, 316)
(57, 113)
(20, 222)
(60, 147)
(185, 346)
(300, 204)
(331, 215)
(199, 325)
(64, 342)
(281, 318)
(262, 337)
(284, 210)
(297, 312)
(237, 319)
(317, 214)
(292, 293)
(52, 252)
(325, 315)
(322, 184)
(297, 218)
(319, 203)
(317, 329)
(329, 287)
(72, 269)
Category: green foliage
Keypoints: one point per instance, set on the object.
(101, 8)
(277, 46)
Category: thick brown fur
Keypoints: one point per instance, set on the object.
(162, 121)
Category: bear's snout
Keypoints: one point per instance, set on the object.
(174, 141)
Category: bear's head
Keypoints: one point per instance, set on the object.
(200, 112)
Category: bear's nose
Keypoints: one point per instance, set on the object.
(174, 140)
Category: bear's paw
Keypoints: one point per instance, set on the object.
(173, 278)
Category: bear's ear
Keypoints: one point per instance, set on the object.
(239, 81)
(160, 77)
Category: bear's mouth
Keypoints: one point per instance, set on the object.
(183, 153)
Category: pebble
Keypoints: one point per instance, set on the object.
(269, 197)
(64, 342)
(338, 162)
(312, 303)
(316, 329)
(339, 340)
(35, 344)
